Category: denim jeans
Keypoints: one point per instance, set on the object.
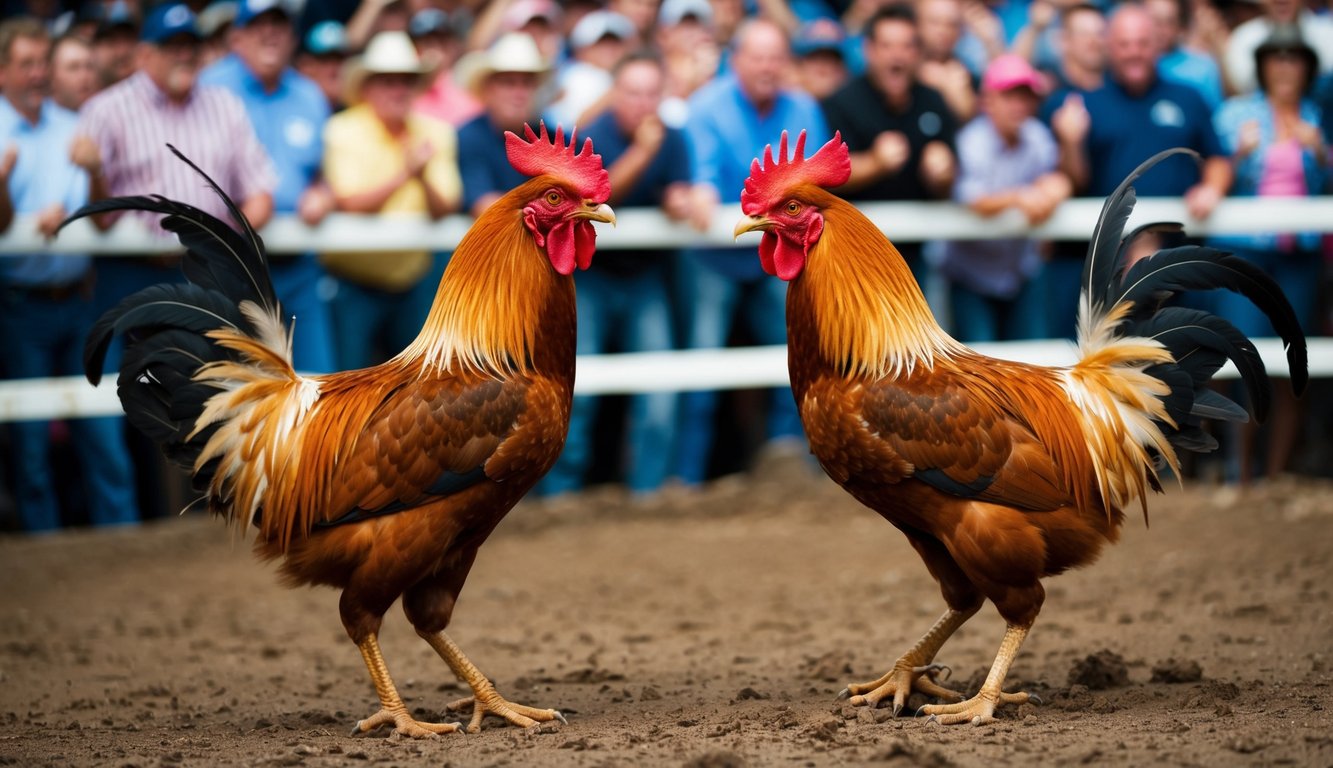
(296, 281)
(978, 317)
(630, 313)
(708, 301)
(45, 338)
(371, 325)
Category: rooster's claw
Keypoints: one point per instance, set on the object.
(845, 693)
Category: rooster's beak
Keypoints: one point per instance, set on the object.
(602, 213)
(750, 224)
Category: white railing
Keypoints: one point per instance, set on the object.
(34, 399)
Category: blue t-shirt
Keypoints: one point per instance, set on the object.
(289, 123)
(42, 176)
(1126, 130)
(727, 133)
(483, 162)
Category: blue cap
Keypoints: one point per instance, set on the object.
(249, 9)
(166, 21)
(326, 37)
(429, 21)
(821, 35)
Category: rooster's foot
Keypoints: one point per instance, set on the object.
(404, 724)
(488, 702)
(978, 710)
(899, 683)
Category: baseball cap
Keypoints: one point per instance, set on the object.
(249, 9)
(598, 24)
(524, 11)
(327, 38)
(673, 12)
(166, 21)
(111, 18)
(1011, 71)
(429, 21)
(818, 36)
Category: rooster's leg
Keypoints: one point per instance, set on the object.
(485, 699)
(981, 708)
(915, 670)
(392, 710)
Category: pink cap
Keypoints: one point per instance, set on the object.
(1011, 71)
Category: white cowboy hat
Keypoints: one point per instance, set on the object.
(388, 53)
(513, 52)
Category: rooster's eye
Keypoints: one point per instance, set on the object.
(553, 197)
(793, 208)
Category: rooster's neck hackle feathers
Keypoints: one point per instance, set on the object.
(545, 155)
(490, 306)
(871, 317)
(770, 180)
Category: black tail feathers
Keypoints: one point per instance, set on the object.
(1199, 341)
(164, 325)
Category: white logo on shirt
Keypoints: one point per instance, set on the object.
(1168, 114)
(299, 132)
(929, 123)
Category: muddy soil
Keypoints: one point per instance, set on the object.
(708, 630)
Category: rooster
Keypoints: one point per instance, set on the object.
(382, 482)
(999, 473)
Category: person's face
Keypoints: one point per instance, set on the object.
(637, 95)
(822, 73)
(642, 13)
(939, 24)
(1085, 40)
(114, 54)
(1285, 74)
(265, 45)
(326, 72)
(73, 78)
(760, 60)
(689, 35)
(1132, 50)
(1009, 109)
(390, 96)
(508, 97)
(892, 55)
(604, 53)
(25, 75)
(173, 65)
(437, 49)
(1166, 23)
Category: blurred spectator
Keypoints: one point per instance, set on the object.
(288, 113)
(939, 28)
(114, 44)
(46, 302)
(690, 52)
(583, 84)
(1135, 115)
(1278, 149)
(215, 25)
(322, 55)
(641, 13)
(372, 17)
(382, 157)
(505, 77)
(624, 304)
(538, 19)
(900, 132)
(1239, 62)
(122, 136)
(1082, 64)
(1007, 159)
(73, 79)
(439, 44)
(731, 121)
(821, 64)
(1178, 63)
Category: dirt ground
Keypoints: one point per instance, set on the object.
(714, 630)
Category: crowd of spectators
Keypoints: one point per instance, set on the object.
(399, 106)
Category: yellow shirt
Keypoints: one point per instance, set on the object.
(360, 154)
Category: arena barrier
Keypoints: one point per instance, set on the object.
(732, 368)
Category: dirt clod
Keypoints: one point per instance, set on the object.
(1099, 671)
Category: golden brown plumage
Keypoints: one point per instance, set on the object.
(999, 473)
(385, 481)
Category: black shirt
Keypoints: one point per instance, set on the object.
(860, 111)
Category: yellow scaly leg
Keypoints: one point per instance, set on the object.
(915, 670)
(485, 699)
(392, 710)
(980, 709)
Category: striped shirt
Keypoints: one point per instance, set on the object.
(133, 121)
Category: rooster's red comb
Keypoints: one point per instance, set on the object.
(540, 155)
(770, 181)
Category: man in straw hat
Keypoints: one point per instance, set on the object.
(381, 156)
(505, 78)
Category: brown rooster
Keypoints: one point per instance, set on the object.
(999, 473)
(382, 482)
